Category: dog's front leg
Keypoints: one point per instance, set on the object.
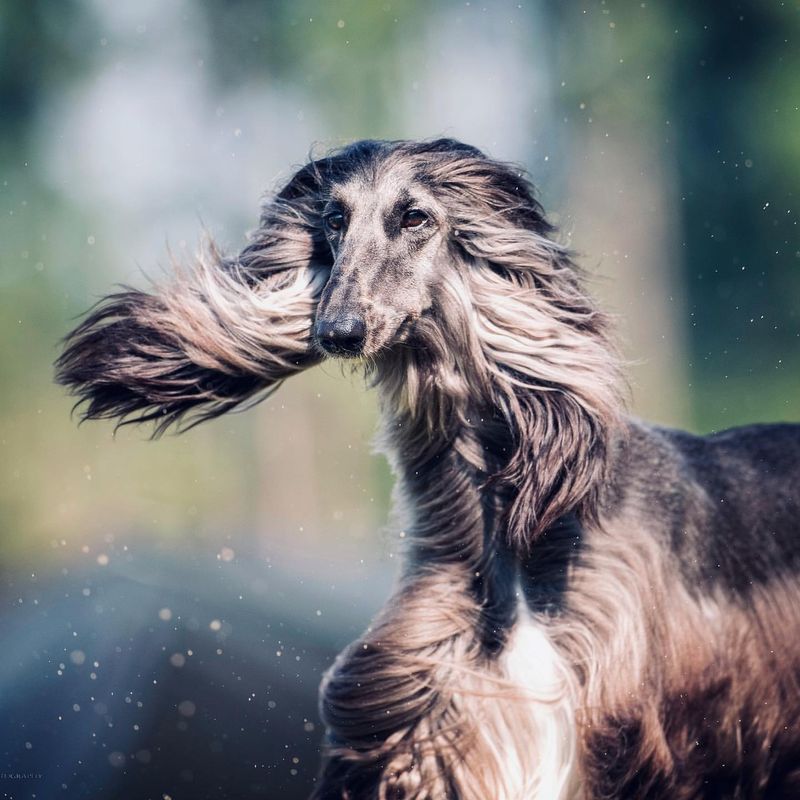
(394, 699)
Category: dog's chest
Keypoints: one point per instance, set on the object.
(541, 758)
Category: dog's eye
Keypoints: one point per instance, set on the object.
(414, 218)
(335, 221)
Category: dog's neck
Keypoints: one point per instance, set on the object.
(444, 451)
(453, 513)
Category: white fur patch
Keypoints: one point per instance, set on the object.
(541, 760)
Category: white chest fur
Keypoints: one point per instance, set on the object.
(538, 745)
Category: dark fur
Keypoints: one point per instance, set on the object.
(663, 567)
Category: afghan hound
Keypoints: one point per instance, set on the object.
(590, 606)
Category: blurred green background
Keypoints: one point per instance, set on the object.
(664, 138)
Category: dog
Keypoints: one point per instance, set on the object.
(590, 606)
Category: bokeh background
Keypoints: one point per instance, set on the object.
(168, 607)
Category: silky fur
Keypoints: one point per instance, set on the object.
(589, 606)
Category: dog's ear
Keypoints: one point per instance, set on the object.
(555, 372)
(215, 335)
(555, 377)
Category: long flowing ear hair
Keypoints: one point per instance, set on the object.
(537, 347)
(219, 333)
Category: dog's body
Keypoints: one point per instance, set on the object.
(590, 607)
(656, 655)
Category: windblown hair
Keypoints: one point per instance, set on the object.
(214, 336)
(512, 331)
(542, 556)
(524, 346)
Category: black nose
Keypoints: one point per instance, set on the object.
(342, 335)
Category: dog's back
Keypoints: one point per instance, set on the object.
(730, 502)
(752, 477)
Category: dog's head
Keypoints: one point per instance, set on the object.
(386, 230)
(391, 214)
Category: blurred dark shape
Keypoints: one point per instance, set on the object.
(190, 676)
(44, 46)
